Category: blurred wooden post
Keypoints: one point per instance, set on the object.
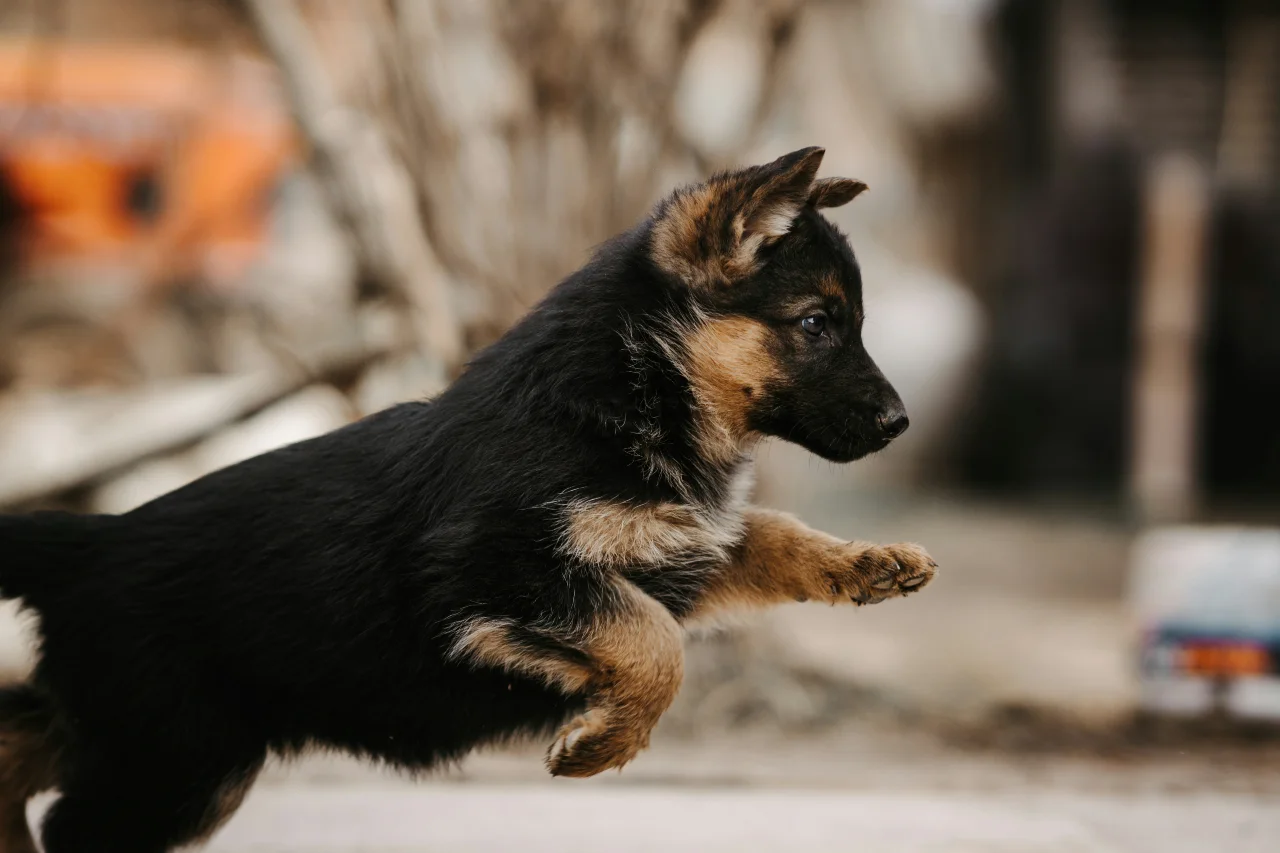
(1166, 392)
(369, 190)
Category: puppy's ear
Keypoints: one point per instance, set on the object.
(711, 234)
(782, 191)
(834, 192)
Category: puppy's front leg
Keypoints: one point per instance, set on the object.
(628, 662)
(781, 559)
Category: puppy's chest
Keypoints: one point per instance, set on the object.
(644, 536)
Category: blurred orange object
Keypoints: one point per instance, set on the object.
(1225, 659)
(159, 160)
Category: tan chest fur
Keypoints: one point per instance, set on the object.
(620, 534)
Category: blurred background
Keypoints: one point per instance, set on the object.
(226, 226)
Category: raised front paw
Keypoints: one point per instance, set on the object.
(877, 572)
(590, 744)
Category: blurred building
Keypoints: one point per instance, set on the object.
(1094, 94)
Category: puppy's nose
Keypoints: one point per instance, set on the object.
(893, 423)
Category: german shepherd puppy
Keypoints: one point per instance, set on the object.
(522, 551)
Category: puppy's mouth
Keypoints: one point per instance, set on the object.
(860, 448)
(876, 445)
(868, 448)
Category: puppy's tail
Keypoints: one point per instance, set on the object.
(42, 552)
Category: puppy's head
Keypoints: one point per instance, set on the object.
(777, 345)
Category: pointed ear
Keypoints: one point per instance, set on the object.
(711, 234)
(834, 192)
(782, 191)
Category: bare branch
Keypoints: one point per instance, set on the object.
(368, 188)
(108, 433)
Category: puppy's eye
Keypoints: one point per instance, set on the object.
(814, 324)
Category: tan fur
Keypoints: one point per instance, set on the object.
(831, 287)
(677, 245)
(634, 648)
(638, 648)
(834, 192)
(675, 235)
(781, 559)
(728, 365)
(636, 665)
(678, 238)
(29, 755)
(711, 235)
(489, 642)
(15, 835)
(616, 534)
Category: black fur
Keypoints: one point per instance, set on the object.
(306, 596)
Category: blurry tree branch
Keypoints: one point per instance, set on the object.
(107, 433)
(474, 151)
(367, 186)
(503, 137)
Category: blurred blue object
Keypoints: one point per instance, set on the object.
(1207, 601)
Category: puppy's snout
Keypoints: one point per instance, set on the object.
(893, 422)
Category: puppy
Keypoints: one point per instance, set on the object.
(520, 552)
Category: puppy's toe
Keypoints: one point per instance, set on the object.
(886, 571)
(588, 745)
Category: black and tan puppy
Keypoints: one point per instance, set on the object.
(520, 552)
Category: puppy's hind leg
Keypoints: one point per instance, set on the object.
(31, 746)
(147, 800)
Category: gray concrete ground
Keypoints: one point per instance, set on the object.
(862, 788)
(865, 787)
(488, 819)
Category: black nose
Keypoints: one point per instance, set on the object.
(893, 423)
